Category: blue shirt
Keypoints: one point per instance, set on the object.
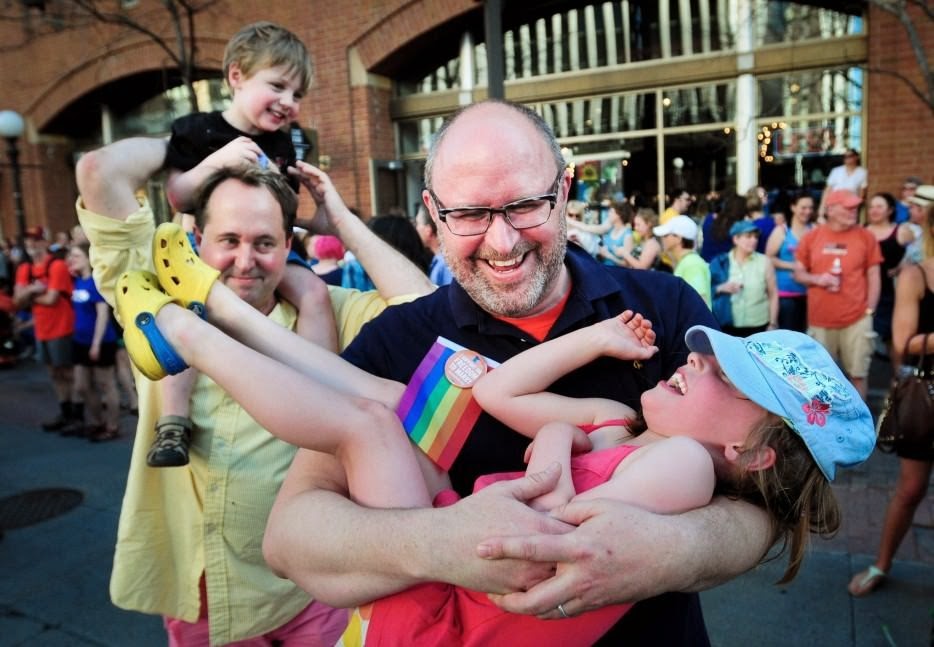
(84, 299)
(438, 272)
(393, 344)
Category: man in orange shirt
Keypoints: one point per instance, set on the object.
(839, 263)
(44, 286)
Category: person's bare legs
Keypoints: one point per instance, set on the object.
(105, 378)
(125, 379)
(365, 435)
(910, 491)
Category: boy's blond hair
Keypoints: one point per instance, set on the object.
(263, 45)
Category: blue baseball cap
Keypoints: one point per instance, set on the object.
(794, 377)
(742, 227)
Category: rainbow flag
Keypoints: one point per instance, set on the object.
(437, 415)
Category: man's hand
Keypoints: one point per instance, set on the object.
(330, 205)
(603, 561)
(500, 509)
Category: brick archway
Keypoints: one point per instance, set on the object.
(132, 57)
(409, 21)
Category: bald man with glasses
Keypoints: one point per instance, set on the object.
(497, 187)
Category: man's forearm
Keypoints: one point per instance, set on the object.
(722, 540)
(342, 561)
(392, 273)
(345, 554)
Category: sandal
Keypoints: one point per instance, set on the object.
(170, 447)
(181, 273)
(865, 582)
(139, 299)
(103, 435)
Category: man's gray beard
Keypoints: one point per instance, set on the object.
(516, 301)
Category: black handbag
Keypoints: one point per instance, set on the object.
(907, 420)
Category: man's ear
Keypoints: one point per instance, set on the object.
(426, 200)
(752, 460)
(197, 234)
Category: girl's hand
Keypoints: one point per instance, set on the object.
(629, 336)
(94, 352)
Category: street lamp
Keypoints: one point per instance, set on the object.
(11, 128)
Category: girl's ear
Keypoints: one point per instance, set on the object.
(751, 460)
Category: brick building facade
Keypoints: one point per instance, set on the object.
(56, 78)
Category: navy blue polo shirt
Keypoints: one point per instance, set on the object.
(393, 344)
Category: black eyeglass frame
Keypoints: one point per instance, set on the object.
(552, 198)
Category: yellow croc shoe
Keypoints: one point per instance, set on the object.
(181, 273)
(139, 298)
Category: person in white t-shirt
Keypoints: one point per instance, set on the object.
(849, 176)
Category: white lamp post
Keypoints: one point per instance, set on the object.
(11, 128)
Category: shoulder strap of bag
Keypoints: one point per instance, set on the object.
(921, 366)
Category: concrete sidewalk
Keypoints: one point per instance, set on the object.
(54, 574)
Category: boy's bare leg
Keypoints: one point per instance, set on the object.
(173, 428)
(309, 294)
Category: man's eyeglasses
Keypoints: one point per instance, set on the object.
(524, 213)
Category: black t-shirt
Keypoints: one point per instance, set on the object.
(394, 343)
(197, 135)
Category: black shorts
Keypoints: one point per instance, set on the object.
(108, 354)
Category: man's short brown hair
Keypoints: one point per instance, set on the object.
(253, 176)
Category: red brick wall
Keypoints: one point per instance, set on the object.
(899, 124)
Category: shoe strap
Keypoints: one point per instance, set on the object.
(198, 308)
(171, 361)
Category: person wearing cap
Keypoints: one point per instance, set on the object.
(678, 236)
(789, 419)
(745, 296)
(839, 263)
(849, 176)
(909, 187)
(44, 287)
(917, 208)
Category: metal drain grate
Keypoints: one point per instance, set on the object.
(34, 506)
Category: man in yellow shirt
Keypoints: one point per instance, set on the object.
(680, 203)
(189, 542)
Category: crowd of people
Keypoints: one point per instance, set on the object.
(281, 490)
(53, 311)
(770, 263)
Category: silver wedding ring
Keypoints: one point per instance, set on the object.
(564, 614)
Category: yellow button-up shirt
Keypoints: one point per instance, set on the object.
(177, 523)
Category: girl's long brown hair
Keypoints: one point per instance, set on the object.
(794, 491)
